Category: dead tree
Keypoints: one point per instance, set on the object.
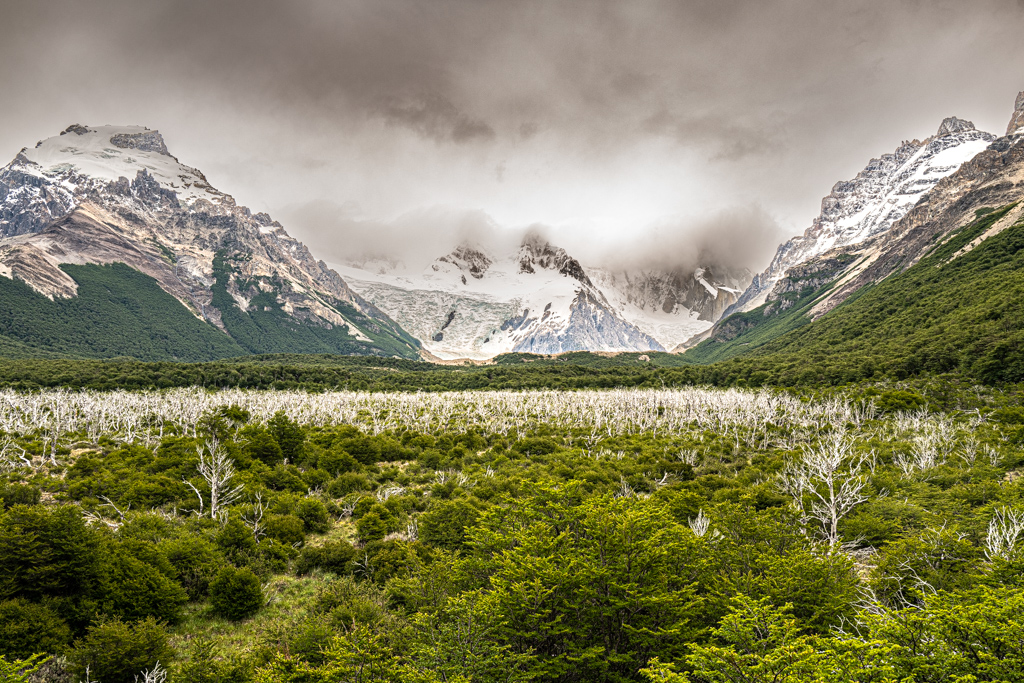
(826, 483)
(217, 471)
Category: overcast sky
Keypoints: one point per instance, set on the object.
(652, 128)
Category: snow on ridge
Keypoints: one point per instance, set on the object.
(872, 202)
(107, 153)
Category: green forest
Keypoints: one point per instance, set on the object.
(872, 533)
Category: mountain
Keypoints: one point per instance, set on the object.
(940, 290)
(472, 303)
(869, 204)
(91, 197)
(675, 304)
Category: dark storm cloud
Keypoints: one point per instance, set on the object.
(525, 110)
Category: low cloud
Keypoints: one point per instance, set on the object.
(734, 239)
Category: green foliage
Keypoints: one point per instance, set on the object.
(445, 524)
(115, 651)
(28, 628)
(136, 590)
(286, 529)
(195, 561)
(314, 515)
(19, 670)
(288, 434)
(236, 594)
(206, 665)
(532, 549)
(623, 569)
(335, 557)
(118, 311)
(49, 553)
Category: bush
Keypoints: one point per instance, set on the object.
(347, 483)
(261, 445)
(27, 629)
(337, 461)
(48, 551)
(19, 494)
(137, 590)
(444, 524)
(235, 539)
(287, 529)
(313, 514)
(236, 593)
(205, 665)
(195, 560)
(116, 651)
(371, 527)
(288, 434)
(331, 557)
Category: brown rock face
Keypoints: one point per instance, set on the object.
(1017, 120)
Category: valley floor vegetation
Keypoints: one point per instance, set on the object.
(869, 534)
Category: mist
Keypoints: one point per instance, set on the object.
(734, 239)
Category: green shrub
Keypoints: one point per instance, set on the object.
(206, 665)
(331, 557)
(195, 560)
(116, 651)
(47, 551)
(18, 494)
(337, 461)
(313, 514)
(444, 524)
(137, 590)
(346, 483)
(261, 445)
(286, 529)
(236, 593)
(288, 434)
(27, 628)
(371, 527)
(235, 539)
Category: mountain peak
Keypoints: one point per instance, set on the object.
(952, 125)
(1017, 120)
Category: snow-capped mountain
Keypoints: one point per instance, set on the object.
(110, 194)
(869, 204)
(671, 305)
(471, 303)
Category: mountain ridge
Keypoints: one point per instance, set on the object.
(69, 200)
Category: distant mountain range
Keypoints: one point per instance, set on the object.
(109, 246)
(472, 303)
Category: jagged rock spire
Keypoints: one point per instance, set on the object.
(953, 125)
(1017, 120)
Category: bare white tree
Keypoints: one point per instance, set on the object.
(255, 520)
(157, 674)
(217, 471)
(826, 483)
(1004, 529)
(701, 525)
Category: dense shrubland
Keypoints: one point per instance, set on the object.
(626, 535)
